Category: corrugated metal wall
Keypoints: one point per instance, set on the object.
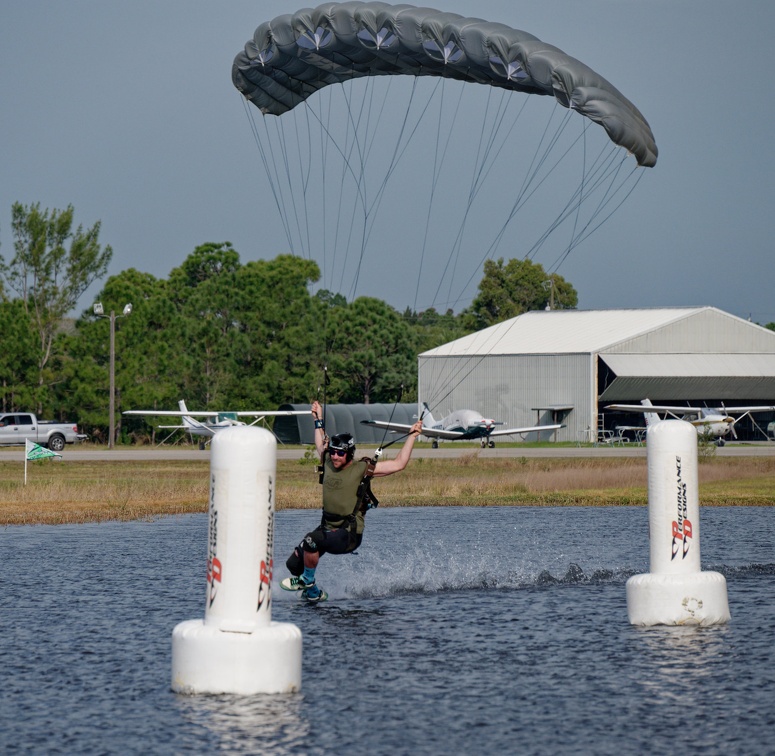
(705, 331)
(506, 388)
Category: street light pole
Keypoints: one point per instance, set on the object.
(112, 425)
(99, 312)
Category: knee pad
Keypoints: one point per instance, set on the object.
(309, 543)
(295, 562)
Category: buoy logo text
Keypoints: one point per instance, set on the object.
(214, 570)
(265, 573)
(682, 527)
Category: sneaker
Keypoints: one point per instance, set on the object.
(314, 594)
(292, 583)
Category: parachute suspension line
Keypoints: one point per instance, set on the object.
(323, 236)
(531, 184)
(578, 205)
(382, 445)
(482, 165)
(576, 199)
(486, 159)
(304, 179)
(580, 194)
(455, 247)
(346, 215)
(274, 183)
(360, 180)
(486, 162)
(347, 167)
(352, 155)
(585, 234)
(604, 175)
(465, 368)
(398, 149)
(302, 228)
(398, 152)
(434, 181)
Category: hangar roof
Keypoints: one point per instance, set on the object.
(574, 331)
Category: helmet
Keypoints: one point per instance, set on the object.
(342, 442)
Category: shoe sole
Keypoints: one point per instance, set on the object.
(322, 597)
(286, 585)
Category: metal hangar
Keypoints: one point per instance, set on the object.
(567, 365)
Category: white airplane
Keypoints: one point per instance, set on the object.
(716, 422)
(461, 425)
(214, 422)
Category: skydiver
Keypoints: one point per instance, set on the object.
(346, 498)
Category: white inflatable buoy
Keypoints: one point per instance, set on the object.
(237, 648)
(675, 591)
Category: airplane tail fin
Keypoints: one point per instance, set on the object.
(650, 417)
(188, 422)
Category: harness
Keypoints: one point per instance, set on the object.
(364, 500)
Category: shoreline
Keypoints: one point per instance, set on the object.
(68, 491)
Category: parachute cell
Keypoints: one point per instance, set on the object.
(293, 56)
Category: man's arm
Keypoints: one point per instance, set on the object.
(320, 433)
(390, 466)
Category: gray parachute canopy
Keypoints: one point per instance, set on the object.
(293, 56)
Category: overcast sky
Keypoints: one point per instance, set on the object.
(126, 111)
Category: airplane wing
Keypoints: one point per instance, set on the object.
(655, 408)
(178, 413)
(530, 429)
(735, 410)
(271, 413)
(427, 432)
(686, 410)
(170, 413)
(450, 435)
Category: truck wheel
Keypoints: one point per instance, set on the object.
(56, 442)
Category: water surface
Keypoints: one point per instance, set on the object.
(496, 630)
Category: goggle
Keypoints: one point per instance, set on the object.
(337, 452)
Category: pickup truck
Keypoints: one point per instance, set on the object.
(17, 427)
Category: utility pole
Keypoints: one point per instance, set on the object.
(99, 312)
(550, 285)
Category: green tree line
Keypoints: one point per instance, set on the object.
(216, 332)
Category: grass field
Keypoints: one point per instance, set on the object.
(61, 491)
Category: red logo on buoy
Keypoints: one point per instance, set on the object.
(265, 571)
(214, 569)
(682, 527)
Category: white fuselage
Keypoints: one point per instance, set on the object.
(469, 422)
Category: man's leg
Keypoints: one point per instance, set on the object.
(311, 547)
(311, 559)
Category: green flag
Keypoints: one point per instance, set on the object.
(35, 451)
